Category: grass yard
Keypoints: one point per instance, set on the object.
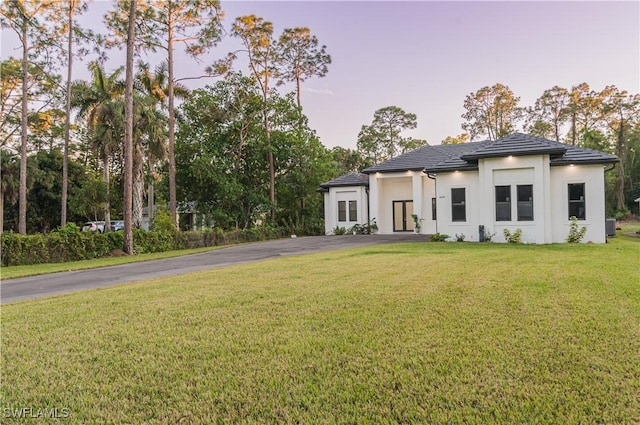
(404, 333)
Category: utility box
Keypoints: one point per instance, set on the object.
(610, 226)
(481, 233)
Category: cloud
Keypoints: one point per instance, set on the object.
(327, 92)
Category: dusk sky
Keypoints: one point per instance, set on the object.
(425, 57)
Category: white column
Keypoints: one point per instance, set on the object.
(417, 198)
(373, 198)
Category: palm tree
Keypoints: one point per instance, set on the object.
(155, 85)
(100, 103)
(149, 136)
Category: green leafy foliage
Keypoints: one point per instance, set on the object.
(515, 237)
(439, 237)
(382, 139)
(162, 221)
(339, 230)
(575, 234)
(70, 244)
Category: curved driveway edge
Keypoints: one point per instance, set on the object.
(60, 283)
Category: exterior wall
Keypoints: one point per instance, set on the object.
(348, 193)
(593, 178)
(412, 186)
(514, 171)
(469, 180)
(550, 222)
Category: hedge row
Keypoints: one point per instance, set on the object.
(70, 244)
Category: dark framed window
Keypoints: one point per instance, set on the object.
(353, 210)
(503, 203)
(576, 201)
(342, 210)
(434, 210)
(458, 207)
(525, 202)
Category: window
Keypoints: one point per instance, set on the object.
(503, 203)
(525, 202)
(433, 209)
(458, 209)
(353, 210)
(342, 210)
(576, 201)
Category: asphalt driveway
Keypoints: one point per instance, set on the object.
(60, 283)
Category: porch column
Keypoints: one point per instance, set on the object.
(417, 198)
(373, 198)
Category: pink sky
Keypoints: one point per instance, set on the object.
(425, 57)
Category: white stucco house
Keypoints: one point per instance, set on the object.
(516, 182)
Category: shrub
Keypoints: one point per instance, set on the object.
(162, 221)
(624, 214)
(575, 234)
(439, 237)
(515, 237)
(460, 237)
(488, 236)
(339, 230)
(70, 244)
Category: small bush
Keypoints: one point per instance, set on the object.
(339, 230)
(624, 214)
(515, 237)
(439, 237)
(162, 221)
(460, 237)
(575, 234)
(488, 236)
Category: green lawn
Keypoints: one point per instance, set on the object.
(403, 333)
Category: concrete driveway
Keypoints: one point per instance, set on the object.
(60, 283)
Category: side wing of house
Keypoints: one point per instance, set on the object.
(523, 183)
(346, 201)
(345, 207)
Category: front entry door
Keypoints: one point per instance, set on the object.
(402, 221)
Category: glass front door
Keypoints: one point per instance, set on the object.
(402, 221)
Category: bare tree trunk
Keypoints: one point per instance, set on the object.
(67, 122)
(22, 210)
(128, 132)
(138, 187)
(150, 189)
(1, 212)
(172, 157)
(107, 207)
(272, 173)
(298, 87)
(620, 152)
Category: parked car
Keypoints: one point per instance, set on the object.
(93, 226)
(117, 225)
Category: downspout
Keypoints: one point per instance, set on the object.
(366, 190)
(433, 177)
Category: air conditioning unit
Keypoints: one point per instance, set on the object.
(610, 226)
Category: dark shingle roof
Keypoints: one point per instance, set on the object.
(516, 144)
(423, 157)
(577, 155)
(351, 179)
(464, 156)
